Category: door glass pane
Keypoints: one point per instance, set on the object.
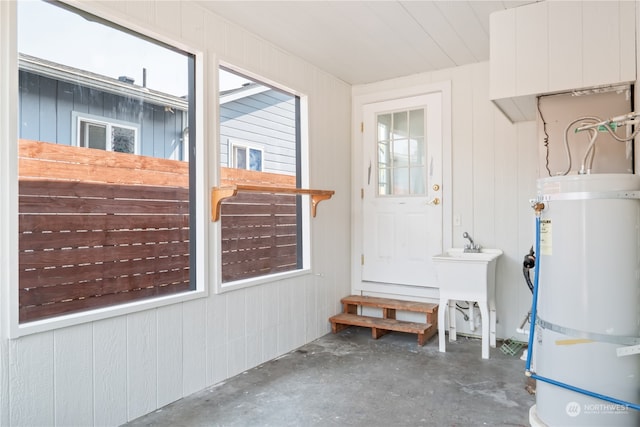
(384, 127)
(400, 125)
(384, 182)
(383, 154)
(416, 122)
(417, 185)
(401, 152)
(416, 152)
(401, 181)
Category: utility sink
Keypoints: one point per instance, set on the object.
(467, 276)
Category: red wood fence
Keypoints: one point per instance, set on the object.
(98, 228)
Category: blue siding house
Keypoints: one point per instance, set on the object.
(257, 123)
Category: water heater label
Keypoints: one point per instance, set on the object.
(546, 246)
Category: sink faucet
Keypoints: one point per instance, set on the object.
(471, 247)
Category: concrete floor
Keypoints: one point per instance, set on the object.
(348, 379)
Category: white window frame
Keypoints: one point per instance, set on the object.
(305, 217)
(9, 298)
(233, 160)
(78, 118)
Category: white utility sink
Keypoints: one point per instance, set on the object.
(467, 276)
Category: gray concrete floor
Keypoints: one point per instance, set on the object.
(349, 379)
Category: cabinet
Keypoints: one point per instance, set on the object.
(551, 47)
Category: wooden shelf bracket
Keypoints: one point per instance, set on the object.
(218, 194)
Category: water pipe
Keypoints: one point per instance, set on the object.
(534, 309)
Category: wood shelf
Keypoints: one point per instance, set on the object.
(218, 194)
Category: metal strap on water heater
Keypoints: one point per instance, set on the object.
(589, 195)
(593, 336)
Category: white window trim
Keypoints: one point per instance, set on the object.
(78, 117)
(219, 287)
(234, 144)
(9, 295)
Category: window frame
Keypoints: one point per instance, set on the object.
(77, 118)
(302, 177)
(9, 123)
(233, 159)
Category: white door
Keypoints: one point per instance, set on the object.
(402, 190)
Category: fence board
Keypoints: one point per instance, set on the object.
(99, 228)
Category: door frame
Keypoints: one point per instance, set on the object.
(358, 286)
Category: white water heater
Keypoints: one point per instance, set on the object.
(588, 300)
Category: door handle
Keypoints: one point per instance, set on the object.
(434, 202)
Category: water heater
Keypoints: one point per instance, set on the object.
(588, 306)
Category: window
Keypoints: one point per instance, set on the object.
(106, 135)
(245, 157)
(261, 233)
(106, 165)
(401, 153)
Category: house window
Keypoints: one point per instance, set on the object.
(245, 157)
(116, 224)
(261, 233)
(106, 135)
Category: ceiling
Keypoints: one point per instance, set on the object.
(369, 41)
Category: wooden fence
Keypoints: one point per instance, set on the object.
(98, 228)
(259, 230)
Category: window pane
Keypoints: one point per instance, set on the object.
(417, 183)
(123, 140)
(384, 159)
(416, 151)
(402, 157)
(384, 182)
(255, 163)
(401, 153)
(241, 158)
(400, 125)
(416, 119)
(260, 132)
(401, 181)
(124, 231)
(384, 127)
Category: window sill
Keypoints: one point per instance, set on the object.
(256, 281)
(64, 321)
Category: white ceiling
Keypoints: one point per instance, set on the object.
(368, 41)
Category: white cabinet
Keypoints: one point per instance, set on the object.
(550, 47)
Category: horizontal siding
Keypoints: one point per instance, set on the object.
(265, 120)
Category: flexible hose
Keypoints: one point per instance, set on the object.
(534, 310)
(591, 150)
(593, 119)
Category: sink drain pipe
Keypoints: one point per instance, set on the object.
(534, 308)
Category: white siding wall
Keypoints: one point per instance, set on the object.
(111, 371)
(494, 172)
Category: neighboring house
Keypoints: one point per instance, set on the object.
(257, 123)
(258, 129)
(89, 109)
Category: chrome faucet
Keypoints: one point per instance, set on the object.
(471, 247)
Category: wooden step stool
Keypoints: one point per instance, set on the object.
(388, 322)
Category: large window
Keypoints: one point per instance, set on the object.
(106, 192)
(260, 144)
